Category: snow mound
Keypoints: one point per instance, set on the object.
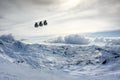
(76, 39)
(114, 42)
(37, 55)
(7, 38)
(72, 39)
(76, 60)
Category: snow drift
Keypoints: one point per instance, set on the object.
(72, 39)
(39, 55)
(91, 60)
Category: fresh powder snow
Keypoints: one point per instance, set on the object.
(23, 61)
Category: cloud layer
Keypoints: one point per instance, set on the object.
(64, 16)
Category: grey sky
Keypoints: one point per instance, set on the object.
(64, 16)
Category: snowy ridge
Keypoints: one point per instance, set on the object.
(71, 39)
(75, 60)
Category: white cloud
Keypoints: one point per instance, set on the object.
(64, 17)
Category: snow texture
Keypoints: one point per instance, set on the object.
(20, 61)
(72, 39)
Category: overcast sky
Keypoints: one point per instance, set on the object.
(64, 16)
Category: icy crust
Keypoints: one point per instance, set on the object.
(72, 59)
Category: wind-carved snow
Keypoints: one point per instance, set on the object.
(88, 62)
(72, 39)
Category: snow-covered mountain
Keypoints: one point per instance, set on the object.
(21, 61)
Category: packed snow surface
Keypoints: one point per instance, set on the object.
(21, 61)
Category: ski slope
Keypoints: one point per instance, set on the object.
(22, 61)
